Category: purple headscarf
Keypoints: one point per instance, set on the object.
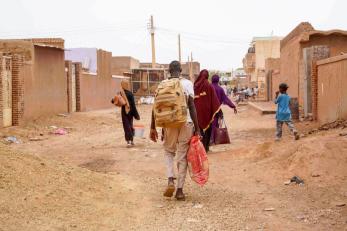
(222, 97)
(215, 79)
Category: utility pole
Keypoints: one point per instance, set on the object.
(179, 48)
(191, 67)
(151, 28)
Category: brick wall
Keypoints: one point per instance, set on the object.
(78, 69)
(1, 97)
(17, 89)
(314, 87)
(68, 73)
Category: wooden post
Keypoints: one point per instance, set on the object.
(191, 67)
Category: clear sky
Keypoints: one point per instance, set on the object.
(218, 32)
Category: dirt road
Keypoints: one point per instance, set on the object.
(89, 180)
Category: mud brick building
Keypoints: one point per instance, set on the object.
(91, 70)
(33, 81)
(190, 70)
(300, 49)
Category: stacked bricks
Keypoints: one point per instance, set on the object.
(78, 70)
(314, 87)
(1, 97)
(17, 89)
(294, 108)
(68, 73)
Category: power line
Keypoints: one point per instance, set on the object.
(203, 38)
(119, 28)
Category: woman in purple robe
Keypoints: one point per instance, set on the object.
(223, 99)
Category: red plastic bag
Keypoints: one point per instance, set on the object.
(197, 161)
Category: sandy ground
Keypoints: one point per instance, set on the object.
(89, 180)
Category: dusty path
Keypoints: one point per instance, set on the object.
(89, 180)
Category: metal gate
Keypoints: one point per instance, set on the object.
(6, 78)
(73, 88)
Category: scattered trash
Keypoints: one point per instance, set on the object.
(198, 206)
(12, 140)
(287, 182)
(192, 220)
(35, 139)
(269, 209)
(297, 180)
(62, 115)
(60, 131)
(301, 217)
(340, 204)
(159, 206)
(53, 127)
(139, 131)
(146, 100)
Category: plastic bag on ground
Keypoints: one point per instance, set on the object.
(60, 131)
(197, 161)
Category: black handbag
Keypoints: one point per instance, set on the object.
(221, 134)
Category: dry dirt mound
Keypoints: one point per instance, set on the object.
(319, 155)
(38, 194)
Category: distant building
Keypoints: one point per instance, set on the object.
(86, 56)
(144, 81)
(240, 78)
(95, 85)
(123, 65)
(254, 62)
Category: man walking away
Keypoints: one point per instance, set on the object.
(283, 114)
(176, 139)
